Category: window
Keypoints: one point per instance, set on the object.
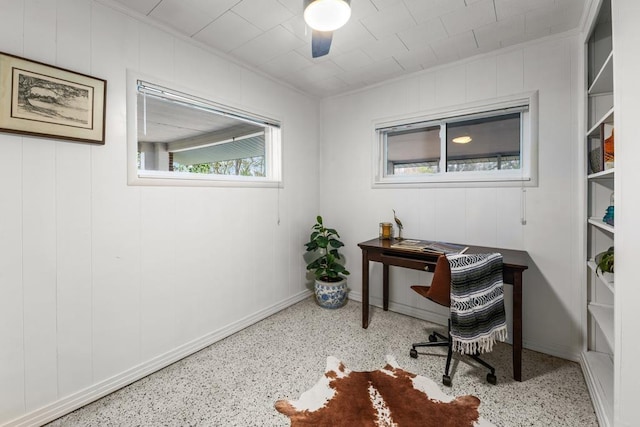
(482, 143)
(187, 140)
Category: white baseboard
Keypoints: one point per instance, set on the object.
(594, 372)
(562, 352)
(90, 394)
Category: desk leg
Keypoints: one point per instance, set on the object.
(517, 326)
(385, 287)
(365, 288)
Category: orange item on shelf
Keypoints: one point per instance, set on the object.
(609, 152)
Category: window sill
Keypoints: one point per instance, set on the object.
(178, 179)
(468, 180)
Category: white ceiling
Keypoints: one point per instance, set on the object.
(382, 40)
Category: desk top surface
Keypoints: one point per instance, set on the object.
(510, 257)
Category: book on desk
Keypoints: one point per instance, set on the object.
(428, 246)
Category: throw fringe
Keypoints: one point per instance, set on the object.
(479, 345)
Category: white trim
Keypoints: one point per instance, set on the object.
(90, 394)
(603, 409)
(166, 178)
(526, 176)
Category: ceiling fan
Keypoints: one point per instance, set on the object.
(324, 17)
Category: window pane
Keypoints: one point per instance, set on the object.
(243, 156)
(177, 136)
(413, 151)
(491, 143)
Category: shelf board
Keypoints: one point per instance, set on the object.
(599, 375)
(606, 118)
(604, 280)
(603, 314)
(601, 225)
(603, 82)
(605, 174)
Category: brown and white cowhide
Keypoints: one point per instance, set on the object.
(387, 397)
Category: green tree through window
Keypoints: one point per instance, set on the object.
(250, 166)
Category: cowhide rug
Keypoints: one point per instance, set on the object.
(387, 397)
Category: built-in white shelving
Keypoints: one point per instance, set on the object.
(603, 315)
(603, 82)
(605, 174)
(597, 222)
(600, 183)
(605, 279)
(606, 118)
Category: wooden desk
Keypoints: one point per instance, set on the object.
(515, 262)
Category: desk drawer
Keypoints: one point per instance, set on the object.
(415, 264)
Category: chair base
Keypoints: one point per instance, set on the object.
(438, 340)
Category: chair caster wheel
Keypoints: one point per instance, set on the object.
(433, 338)
(491, 379)
(413, 353)
(446, 380)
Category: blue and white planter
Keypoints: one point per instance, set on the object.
(331, 294)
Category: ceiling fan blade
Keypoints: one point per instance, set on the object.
(320, 43)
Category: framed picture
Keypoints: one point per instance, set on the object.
(43, 100)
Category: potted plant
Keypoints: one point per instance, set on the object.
(325, 262)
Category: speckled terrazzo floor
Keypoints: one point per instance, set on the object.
(236, 381)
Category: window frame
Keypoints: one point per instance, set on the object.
(273, 145)
(525, 176)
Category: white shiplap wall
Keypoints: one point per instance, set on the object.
(481, 216)
(101, 282)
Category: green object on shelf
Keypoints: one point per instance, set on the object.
(604, 261)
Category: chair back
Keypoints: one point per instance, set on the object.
(440, 289)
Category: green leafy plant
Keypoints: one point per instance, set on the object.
(323, 247)
(604, 261)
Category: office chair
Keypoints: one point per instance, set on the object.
(440, 293)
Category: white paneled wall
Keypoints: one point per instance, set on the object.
(12, 351)
(482, 216)
(100, 282)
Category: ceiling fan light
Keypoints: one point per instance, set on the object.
(462, 139)
(327, 15)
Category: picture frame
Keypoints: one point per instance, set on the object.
(46, 101)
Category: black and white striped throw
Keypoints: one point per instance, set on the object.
(477, 302)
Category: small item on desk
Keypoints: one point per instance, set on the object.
(438, 248)
(399, 223)
(444, 248)
(410, 245)
(386, 231)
